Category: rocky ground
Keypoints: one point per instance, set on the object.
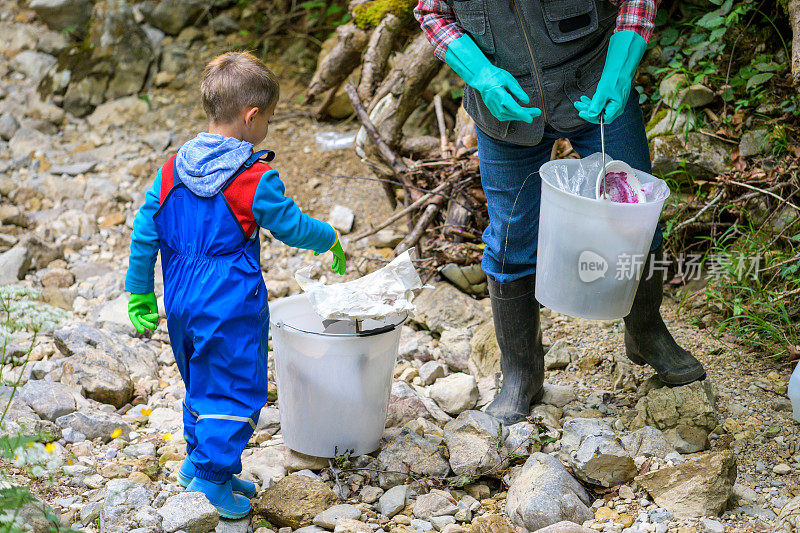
(607, 448)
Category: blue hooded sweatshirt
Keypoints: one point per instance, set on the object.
(204, 165)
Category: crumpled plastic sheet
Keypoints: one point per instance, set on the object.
(385, 292)
(579, 177)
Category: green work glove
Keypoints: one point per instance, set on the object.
(497, 86)
(625, 51)
(143, 311)
(339, 262)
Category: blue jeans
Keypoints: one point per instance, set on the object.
(511, 182)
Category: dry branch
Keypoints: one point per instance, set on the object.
(345, 56)
(404, 85)
(376, 58)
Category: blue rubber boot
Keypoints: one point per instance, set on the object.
(221, 496)
(186, 475)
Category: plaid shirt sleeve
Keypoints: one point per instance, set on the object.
(439, 24)
(636, 15)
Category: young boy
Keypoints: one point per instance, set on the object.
(203, 212)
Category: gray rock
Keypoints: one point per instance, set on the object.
(119, 41)
(158, 140)
(33, 64)
(94, 424)
(703, 156)
(405, 405)
(172, 17)
(49, 399)
(233, 526)
(676, 91)
(385, 238)
(456, 348)
(118, 112)
(470, 279)
(63, 15)
(370, 494)
(430, 372)
(342, 218)
(435, 503)
(14, 264)
(73, 169)
(686, 414)
(754, 142)
(392, 501)
(140, 360)
(789, 517)
(420, 526)
(72, 435)
(329, 517)
(455, 393)
(595, 453)
(474, 441)
(8, 126)
(269, 419)
(439, 522)
(190, 512)
(409, 452)
(647, 442)
(53, 43)
(85, 94)
(559, 356)
(694, 489)
(27, 140)
(558, 395)
(148, 517)
(712, 526)
(445, 307)
(123, 498)
(98, 376)
(544, 493)
(224, 24)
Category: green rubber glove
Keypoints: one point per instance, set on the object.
(625, 51)
(339, 262)
(143, 311)
(497, 86)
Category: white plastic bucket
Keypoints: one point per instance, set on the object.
(333, 388)
(591, 253)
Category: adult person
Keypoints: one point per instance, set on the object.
(536, 71)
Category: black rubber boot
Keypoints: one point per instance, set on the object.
(647, 339)
(516, 324)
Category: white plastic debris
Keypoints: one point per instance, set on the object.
(385, 292)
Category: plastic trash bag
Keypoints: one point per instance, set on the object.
(385, 292)
(581, 178)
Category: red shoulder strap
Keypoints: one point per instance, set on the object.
(167, 178)
(240, 194)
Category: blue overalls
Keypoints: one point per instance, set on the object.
(217, 318)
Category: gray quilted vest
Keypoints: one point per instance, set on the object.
(556, 49)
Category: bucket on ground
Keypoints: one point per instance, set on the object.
(334, 380)
(591, 252)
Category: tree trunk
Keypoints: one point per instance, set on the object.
(793, 8)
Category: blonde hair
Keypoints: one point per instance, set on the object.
(235, 81)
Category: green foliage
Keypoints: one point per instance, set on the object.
(21, 311)
(758, 305)
(700, 46)
(371, 12)
(328, 12)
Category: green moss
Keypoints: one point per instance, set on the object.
(656, 119)
(370, 13)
